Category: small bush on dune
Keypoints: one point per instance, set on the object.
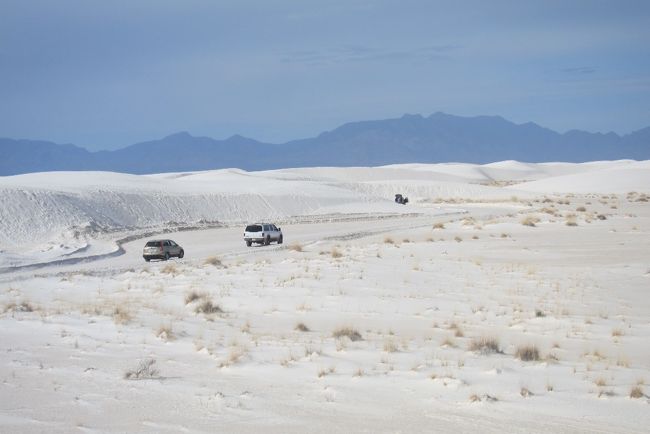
(347, 332)
(527, 353)
(636, 392)
(19, 307)
(485, 345)
(145, 370)
(295, 247)
(530, 221)
(581, 209)
(389, 240)
(169, 269)
(301, 327)
(336, 253)
(438, 226)
(214, 261)
(207, 308)
(121, 316)
(193, 296)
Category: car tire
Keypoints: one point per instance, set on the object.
(181, 254)
(249, 243)
(267, 241)
(147, 259)
(166, 256)
(280, 240)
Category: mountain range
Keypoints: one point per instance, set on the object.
(412, 138)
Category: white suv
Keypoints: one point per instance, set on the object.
(262, 233)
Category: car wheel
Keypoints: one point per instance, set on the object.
(267, 241)
(249, 243)
(181, 254)
(280, 240)
(147, 259)
(166, 256)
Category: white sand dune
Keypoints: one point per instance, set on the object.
(504, 297)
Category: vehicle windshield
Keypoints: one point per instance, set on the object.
(153, 244)
(254, 228)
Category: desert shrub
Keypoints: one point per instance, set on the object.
(539, 313)
(601, 217)
(301, 327)
(23, 306)
(571, 220)
(347, 332)
(121, 315)
(169, 269)
(581, 209)
(485, 345)
(165, 333)
(145, 370)
(295, 247)
(636, 392)
(193, 296)
(336, 253)
(524, 392)
(527, 353)
(458, 239)
(214, 261)
(207, 307)
(390, 346)
(389, 240)
(530, 221)
(438, 226)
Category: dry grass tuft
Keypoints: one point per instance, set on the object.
(438, 226)
(530, 221)
(617, 333)
(121, 315)
(347, 332)
(206, 307)
(301, 327)
(527, 353)
(23, 306)
(170, 269)
(571, 220)
(214, 261)
(485, 345)
(458, 239)
(524, 392)
(336, 253)
(165, 333)
(600, 382)
(390, 346)
(389, 240)
(145, 370)
(581, 209)
(295, 247)
(636, 392)
(193, 296)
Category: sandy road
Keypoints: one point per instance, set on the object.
(227, 242)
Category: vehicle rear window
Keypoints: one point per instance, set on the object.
(254, 228)
(153, 244)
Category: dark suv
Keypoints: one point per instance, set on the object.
(161, 249)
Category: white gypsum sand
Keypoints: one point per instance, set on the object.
(504, 297)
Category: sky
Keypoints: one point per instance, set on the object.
(107, 74)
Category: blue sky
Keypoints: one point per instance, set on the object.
(106, 74)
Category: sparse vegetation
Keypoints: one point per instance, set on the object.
(388, 240)
(636, 392)
(336, 253)
(146, 369)
(301, 327)
(527, 353)
(169, 269)
(485, 345)
(121, 315)
(438, 226)
(214, 261)
(530, 221)
(207, 307)
(347, 332)
(295, 247)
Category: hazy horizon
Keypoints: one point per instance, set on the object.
(108, 75)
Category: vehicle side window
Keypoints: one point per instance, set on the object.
(273, 228)
(166, 243)
(171, 243)
(266, 228)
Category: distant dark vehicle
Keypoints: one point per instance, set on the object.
(161, 249)
(262, 233)
(403, 200)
